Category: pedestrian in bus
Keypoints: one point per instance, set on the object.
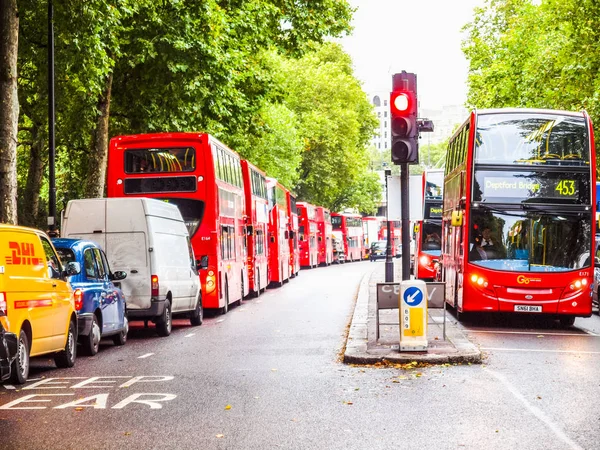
(477, 253)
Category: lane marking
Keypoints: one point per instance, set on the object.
(585, 334)
(145, 356)
(575, 352)
(220, 320)
(9, 386)
(190, 335)
(537, 412)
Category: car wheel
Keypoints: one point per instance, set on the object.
(165, 324)
(66, 358)
(121, 338)
(20, 366)
(198, 313)
(91, 342)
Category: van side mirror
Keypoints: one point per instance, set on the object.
(72, 268)
(118, 275)
(202, 263)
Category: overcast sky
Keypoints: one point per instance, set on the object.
(420, 36)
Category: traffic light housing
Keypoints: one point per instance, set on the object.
(404, 111)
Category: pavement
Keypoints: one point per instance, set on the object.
(363, 347)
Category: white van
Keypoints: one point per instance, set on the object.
(147, 239)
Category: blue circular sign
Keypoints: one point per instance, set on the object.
(413, 296)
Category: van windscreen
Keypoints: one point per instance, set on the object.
(192, 212)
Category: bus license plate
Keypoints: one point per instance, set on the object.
(528, 308)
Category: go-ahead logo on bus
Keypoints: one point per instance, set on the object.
(522, 279)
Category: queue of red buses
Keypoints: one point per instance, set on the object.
(519, 214)
(428, 232)
(324, 236)
(307, 232)
(348, 228)
(244, 225)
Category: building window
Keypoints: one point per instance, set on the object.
(385, 103)
(385, 134)
(386, 145)
(385, 124)
(378, 114)
(385, 114)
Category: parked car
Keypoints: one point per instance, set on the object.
(36, 298)
(100, 304)
(8, 345)
(377, 250)
(147, 239)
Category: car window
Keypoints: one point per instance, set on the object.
(54, 267)
(105, 262)
(90, 264)
(100, 262)
(66, 255)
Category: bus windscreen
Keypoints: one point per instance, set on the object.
(160, 160)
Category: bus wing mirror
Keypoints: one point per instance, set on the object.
(457, 218)
(202, 263)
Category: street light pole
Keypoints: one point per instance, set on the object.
(389, 264)
(51, 120)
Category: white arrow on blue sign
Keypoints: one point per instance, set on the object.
(413, 296)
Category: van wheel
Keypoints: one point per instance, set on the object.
(121, 338)
(91, 342)
(20, 366)
(164, 324)
(66, 358)
(226, 307)
(198, 313)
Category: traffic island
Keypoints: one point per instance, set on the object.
(365, 347)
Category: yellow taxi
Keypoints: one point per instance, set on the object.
(36, 298)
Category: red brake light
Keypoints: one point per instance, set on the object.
(154, 281)
(78, 296)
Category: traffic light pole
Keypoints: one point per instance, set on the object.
(405, 216)
(389, 263)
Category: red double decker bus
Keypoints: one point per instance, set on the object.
(204, 179)
(428, 232)
(349, 227)
(279, 246)
(519, 214)
(307, 235)
(257, 220)
(395, 233)
(324, 236)
(293, 235)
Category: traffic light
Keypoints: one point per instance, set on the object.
(404, 126)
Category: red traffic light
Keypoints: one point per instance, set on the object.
(401, 102)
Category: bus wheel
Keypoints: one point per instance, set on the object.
(257, 284)
(226, 306)
(567, 321)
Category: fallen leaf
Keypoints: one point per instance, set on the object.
(79, 408)
(540, 336)
(356, 389)
(539, 398)
(273, 370)
(127, 433)
(395, 381)
(228, 407)
(219, 435)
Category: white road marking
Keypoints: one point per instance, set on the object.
(535, 411)
(190, 335)
(538, 333)
(145, 356)
(220, 320)
(9, 386)
(576, 352)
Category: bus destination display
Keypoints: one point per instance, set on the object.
(512, 187)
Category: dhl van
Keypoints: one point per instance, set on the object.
(36, 298)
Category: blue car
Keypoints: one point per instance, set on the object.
(100, 304)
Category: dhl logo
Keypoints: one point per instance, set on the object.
(21, 304)
(22, 254)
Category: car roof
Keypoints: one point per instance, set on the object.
(74, 244)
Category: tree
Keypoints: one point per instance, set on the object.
(9, 109)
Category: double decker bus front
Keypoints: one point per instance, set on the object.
(530, 218)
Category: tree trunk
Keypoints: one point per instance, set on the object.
(9, 110)
(35, 175)
(96, 175)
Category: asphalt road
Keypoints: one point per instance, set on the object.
(267, 375)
